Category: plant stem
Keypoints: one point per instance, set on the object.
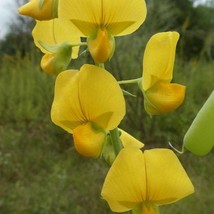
(130, 81)
(115, 138)
(79, 44)
(101, 65)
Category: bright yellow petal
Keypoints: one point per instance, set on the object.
(163, 98)
(66, 110)
(129, 141)
(159, 56)
(100, 96)
(88, 140)
(167, 180)
(116, 16)
(47, 64)
(92, 94)
(48, 10)
(122, 18)
(101, 46)
(86, 15)
(54, 32)
(125, 184)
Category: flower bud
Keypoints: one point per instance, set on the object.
(101, 45)
(40, 10)
(108, 152)
(56, 62)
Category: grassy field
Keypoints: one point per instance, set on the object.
(40, 172)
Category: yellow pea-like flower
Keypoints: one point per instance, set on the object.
(87, 103)
(55, 33)
(160, 95)
(142, 181)
(40, 9)
(101, 20)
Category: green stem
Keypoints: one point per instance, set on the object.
(101, 65)
(130, 81)
(115, 139)
(79, 44)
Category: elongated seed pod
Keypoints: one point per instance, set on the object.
(199, 139)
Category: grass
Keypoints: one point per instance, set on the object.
(41, 173)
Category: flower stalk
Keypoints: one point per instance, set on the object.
(132, 81)
(115, 138)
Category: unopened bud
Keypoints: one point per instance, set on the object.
(40, 10)
(56, 62)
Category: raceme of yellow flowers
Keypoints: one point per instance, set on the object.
(89, 102)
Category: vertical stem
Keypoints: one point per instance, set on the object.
(101, 65)
(115, 139)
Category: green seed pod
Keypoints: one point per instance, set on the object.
(199, 139)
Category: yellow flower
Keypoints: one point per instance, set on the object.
(55, 33)
(101, 20)
(143, 181)
(87, 103)
(160, 95)
(40, 9)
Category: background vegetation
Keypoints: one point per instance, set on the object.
(40, 172)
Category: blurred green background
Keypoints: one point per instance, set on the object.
(41, 173)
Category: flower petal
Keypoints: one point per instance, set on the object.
(122, 18)
(86, 14)
(159, 56)
(101, 46)
(100, 96)
(199, 139)
(167, 180)
(91, 14)
(53, 32)
(66, 110)
(163, 98)
(92, 95)
(125, 184)
(129, 141)
(48, 9)
(88, 140)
